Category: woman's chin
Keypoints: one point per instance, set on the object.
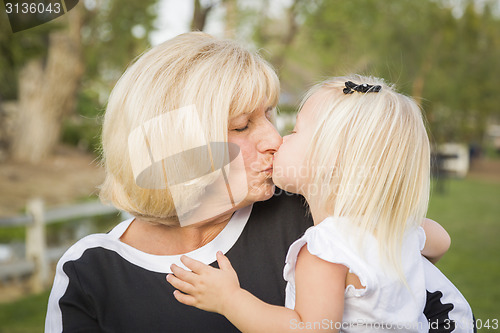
(264, 192)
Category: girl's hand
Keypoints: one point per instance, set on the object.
(205, 287)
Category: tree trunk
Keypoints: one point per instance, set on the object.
(231, 18)
(47, 92)
(289, 36)
(200, 15)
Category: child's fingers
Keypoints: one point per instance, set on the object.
(183, 274)
(179, 284)
(223, 261)
(196, 266)
(184, 299)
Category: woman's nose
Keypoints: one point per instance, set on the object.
(270, 140)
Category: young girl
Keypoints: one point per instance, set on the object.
(359, 154)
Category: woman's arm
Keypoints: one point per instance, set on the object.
(437, 240)
(69, 308)
(319, 304)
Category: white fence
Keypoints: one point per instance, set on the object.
(39, 257)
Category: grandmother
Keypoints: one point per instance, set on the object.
(188, 143)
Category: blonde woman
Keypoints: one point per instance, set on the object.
(360, 155)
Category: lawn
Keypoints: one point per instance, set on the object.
(468, 209)
(470, 212)
(24, 316)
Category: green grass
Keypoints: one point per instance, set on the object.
(469, 210)
(10, 234)
(24, 316)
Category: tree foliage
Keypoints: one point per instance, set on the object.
(447, 57)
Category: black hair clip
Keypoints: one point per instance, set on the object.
(351, 87)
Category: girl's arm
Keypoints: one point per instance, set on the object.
(437, 240)
(319, 302)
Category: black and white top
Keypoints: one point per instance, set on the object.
(103, 284)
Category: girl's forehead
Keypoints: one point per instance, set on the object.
(310, 106)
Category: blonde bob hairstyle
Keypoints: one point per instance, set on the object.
(217, 78)
(378, 146)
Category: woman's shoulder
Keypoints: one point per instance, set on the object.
(107, 240)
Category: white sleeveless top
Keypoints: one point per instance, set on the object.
(386, 303)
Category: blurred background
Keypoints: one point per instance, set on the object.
(55, 80)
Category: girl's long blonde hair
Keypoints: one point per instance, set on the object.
(379, 149)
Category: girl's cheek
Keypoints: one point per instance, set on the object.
(281, 149)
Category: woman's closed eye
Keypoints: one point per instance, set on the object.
(241, 129)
